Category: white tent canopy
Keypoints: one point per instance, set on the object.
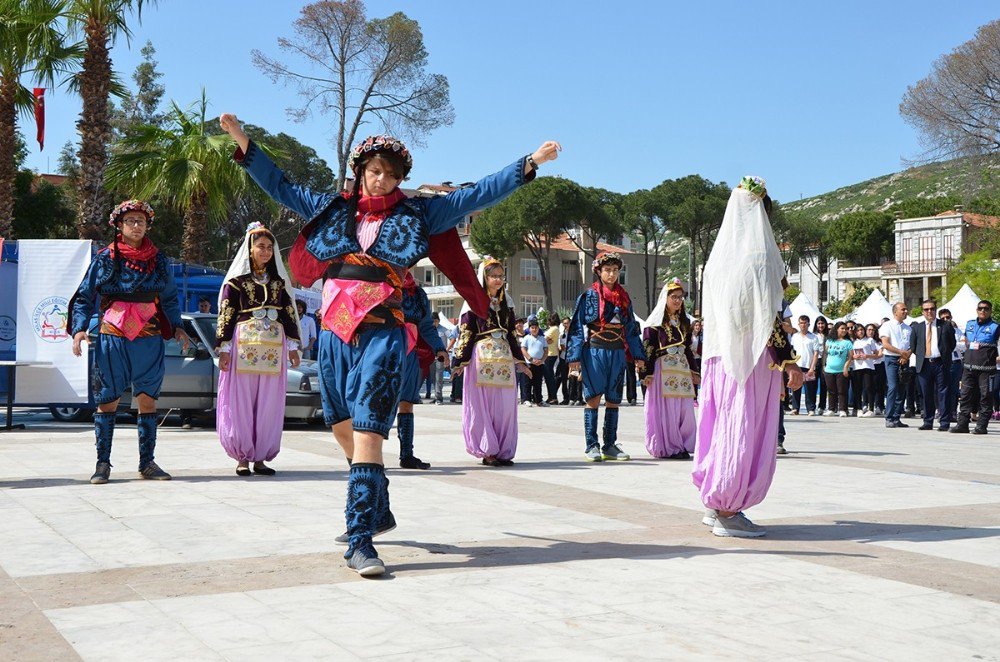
(963, 306)
(804, 306)
(873, 310)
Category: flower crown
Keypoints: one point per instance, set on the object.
(255, 227)
(131, 205)
(755, 185)
(604, 258)
(374, 144)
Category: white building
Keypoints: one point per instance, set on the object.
(925, 248)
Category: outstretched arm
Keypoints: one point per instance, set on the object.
(268, 176)
(446, 212)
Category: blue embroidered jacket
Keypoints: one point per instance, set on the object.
(417, 310)
(585, 313)
(403, 238)
(102, 282)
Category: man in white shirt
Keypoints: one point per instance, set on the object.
(307, 330)
(896, 349)
(806, 345)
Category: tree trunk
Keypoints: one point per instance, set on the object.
(95, 132)
(195, 228)
(8, 171)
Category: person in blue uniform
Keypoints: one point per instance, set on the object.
(603, 325)
(131, 285)
(424, 346)
(979, 370)
(361, 243)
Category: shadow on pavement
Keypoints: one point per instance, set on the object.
(856, 531)
(562, 551)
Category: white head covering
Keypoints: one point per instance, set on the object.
(742, 283)
(481, 272)
(660, 309)
(241, 263)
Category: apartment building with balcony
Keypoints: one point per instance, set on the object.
(925, 249)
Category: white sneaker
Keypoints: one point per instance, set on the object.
(828, 412)
(812, 413)
(867, 414)
(843, 414)
(708, 519)
(737, 526)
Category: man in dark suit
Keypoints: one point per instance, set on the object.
(933, 343)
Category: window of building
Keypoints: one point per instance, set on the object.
(428, 276)
(623, 276)
(530, 303)
(530, 271)
(949, 247)
(446, 307)
(927, 253)
(794, 267)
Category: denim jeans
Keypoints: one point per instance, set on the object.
(894, 391)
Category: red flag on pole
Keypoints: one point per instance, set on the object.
(40, 115)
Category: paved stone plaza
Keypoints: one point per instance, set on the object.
(883, 544)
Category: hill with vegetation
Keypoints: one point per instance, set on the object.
(961, 179)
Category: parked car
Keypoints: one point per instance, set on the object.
(191, 379)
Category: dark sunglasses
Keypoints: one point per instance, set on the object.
(983, 308)
(928, 310)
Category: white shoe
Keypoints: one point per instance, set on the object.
(843, 414)
(812, 413)
(737, 526)
(867, 414)
(828, 412)
(708, 519)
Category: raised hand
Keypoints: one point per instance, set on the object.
(231, 125)
(549, 151)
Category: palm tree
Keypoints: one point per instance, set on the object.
(185, 166)
(101, 21)
(33, 46)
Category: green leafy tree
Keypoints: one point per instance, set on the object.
(33, 46)
(362, 71)
(42, 210)
(102, 22)
(693, 207)
(142, 106)
(863, 237)
(921, 207)
(638, 215)
(979, 270)
(187, 167)
(533, 217)
(859, 294)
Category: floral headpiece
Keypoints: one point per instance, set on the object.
(372, 145)
(256, 227)
(131, 205)
(754, 184)
(674, 284)
(604, 258)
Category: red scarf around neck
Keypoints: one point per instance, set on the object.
(616, 296)
(143, 254)
(376, 207)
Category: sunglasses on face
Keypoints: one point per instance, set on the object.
(983, 308)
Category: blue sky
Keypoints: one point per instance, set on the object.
(804, 94)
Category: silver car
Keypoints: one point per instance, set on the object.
(191, 378)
